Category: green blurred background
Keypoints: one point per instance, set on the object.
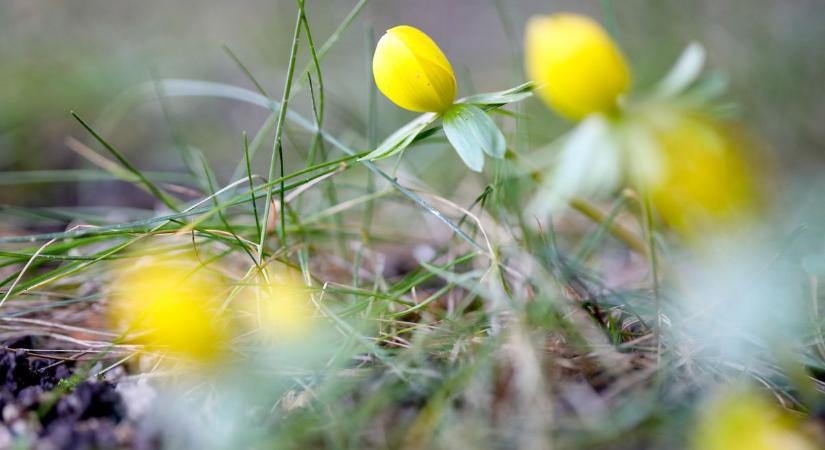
(80, 55)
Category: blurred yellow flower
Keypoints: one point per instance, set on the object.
(578, 67)
(705, 180)
(168, 302)
(745, 421)
(279, 304)
(411, 70)
(693, 167)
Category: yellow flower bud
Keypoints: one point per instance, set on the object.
(578, 67)
(169, 303)
(706, 180)
(746, 421)
(412, 72)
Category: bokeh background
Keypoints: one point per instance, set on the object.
(81, 55)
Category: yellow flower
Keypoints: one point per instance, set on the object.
(411, 70)
(706, 181)
(279, 305)
(578, 67)
(745, 421)
(168, 303)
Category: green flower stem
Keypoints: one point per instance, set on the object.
(647, 216)
(620, 232)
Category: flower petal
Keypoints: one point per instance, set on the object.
(411, 71)
(578, 66)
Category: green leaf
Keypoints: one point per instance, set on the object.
(402, 138)
(410, 132)
(472, 133)
(511, 95)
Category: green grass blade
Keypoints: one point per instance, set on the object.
(159, 194)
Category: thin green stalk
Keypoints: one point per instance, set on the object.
(318, 108)
(331, 41)
(160, 195)
(372, 142)
(319, 111)
(199, 88)
(647, 216)
(623, 234)
(211, 186)
(83, 175)
(244, 69)
(610, 18)
(140, 225)
(512, 38)
(277, 150)
(251, 184)
(187, 155)
(589, 244)
(318, 143)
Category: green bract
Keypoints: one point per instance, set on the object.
(472, 133)
(466, 124)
